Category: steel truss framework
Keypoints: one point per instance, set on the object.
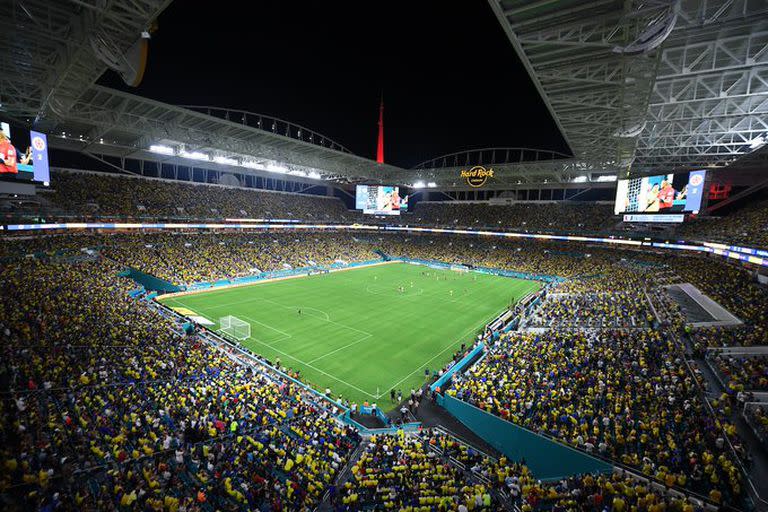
(52, 51)
(114, 123)
(511, 166)
(698, 97)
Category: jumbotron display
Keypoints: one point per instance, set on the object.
(25, 156)
(662, 194)
(380, 200)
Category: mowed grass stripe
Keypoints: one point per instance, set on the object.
(356, 333)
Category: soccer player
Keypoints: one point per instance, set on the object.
(7, 156)
(666, 195)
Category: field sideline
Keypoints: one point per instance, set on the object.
(355, 332)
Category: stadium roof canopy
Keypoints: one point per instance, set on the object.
(52, 53)
(634, 86)
(105, 122)
(640, 86)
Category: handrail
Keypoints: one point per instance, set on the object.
(475, 157)
(620, 465)
(278, 126)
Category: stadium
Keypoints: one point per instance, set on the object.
(224, 289)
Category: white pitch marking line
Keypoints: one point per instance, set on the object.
(342, 348)
(450, 345)
(275, 342)
(285, 334)
(315, 368)
(327, 319)
(327, 316)
(348, 327)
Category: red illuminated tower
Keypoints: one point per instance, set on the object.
(380, 145)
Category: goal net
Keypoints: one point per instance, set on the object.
(234, 327)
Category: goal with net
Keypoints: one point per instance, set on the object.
(234, 327)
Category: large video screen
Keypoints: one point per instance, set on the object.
(380, 200)
(24, 155)
(662, 194)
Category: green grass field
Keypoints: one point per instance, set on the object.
(357, 334)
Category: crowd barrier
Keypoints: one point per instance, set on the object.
(547, 459)
(446, 377)
(276, 274)
(149, 282)
(389, 428)
(317, 269)
(482, 270)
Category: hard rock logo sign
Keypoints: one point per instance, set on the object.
(477, 176)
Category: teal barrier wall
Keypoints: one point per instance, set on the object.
(486, 270)
(203, 285)
(149, 282)
(457, 367)
(547, 459)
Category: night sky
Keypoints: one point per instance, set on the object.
(450, 77)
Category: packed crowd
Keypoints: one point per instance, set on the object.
(606, 293)
(186, 257)
(549, 216)
(22, 246)
(119, 196)
(594, 310)
(742, 373)
(529, 257)
(757, 416)
(434, 471)
(86, 194)
(623, 394)
(614, 492)
(108, 195)
(107, 404)
(208, 257)
(403, 473)
(618, 491)
(746, 226)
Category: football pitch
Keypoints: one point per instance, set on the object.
(362, 332)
